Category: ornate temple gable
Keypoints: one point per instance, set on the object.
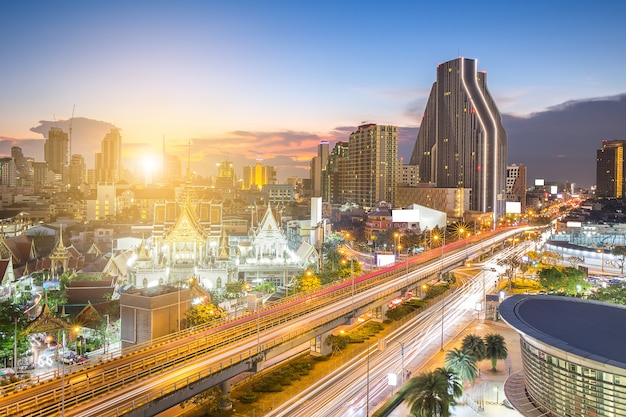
(20, 248)
(208, 216)
(59, 257)
(6, 271)
(187, 227)
(143, 254)
(269, 240)
(5, 252)
(268, 226)
(46, 322)
(224, 253)
(89, 317)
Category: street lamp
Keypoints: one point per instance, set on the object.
(443, 307)
(601, 252)
(402, 363)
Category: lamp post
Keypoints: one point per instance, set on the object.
(601, 252)
(402, 362)
(443, 307)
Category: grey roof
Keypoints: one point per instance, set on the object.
(586, 328)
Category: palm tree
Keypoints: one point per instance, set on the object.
(475, 345)
(463, 363)
(455, 385)
(432, 393)
(496, 348)
(428, 395)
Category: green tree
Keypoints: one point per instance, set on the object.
(496, 348)
(463, 363)
(204, 313)
(455, 384)
(475, 345)
(619, 252)
(569, 280)
(613, 293)
(308, 281)
(430, 394)
(9, 314)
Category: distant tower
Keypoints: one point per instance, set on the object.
(109, 161)
(225, 175)
(610, 173)
(55, 152)
(318, 169)
(372, 165)
(77, 171)
(461, 142)
(24, 167)
(516, 185)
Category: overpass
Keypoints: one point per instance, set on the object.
(156, 376)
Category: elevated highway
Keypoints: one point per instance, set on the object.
(153, 377)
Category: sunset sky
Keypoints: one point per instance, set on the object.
(269, 79)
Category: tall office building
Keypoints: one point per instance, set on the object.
(372, 165)
(55, 151)
(77, 171)
(461, 142)
(336, 174)
(108, 167)
(225, 175)
(610, 174)
(23, 166)
(516, 185)
(255, 177)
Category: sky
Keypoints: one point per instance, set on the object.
(246, 80)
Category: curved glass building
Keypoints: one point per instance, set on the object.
(573, 354)
(461, 142)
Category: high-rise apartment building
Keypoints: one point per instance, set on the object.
(108, 167)
(516, 185)
(372, 165)
(77, 171)
(23, 166)
(318, 169)
(610, 173)
(55, 151)
(461, 142)
(7, 172)
(336, 174)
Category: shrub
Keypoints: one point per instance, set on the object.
(249, 397)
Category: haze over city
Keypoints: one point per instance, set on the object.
(247, 80)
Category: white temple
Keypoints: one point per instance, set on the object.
(189, 241)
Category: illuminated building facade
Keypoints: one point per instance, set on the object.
(610, 169)
(372, 168)
(461, 142)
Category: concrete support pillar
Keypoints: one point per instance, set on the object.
(319, 346)
(225, 402)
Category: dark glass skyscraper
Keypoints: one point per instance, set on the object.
(461, 142)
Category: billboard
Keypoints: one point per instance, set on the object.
(539, 182)
(383, 259)
(513, 207)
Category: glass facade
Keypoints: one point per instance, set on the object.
(569, 389)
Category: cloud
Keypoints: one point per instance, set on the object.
(560, 143)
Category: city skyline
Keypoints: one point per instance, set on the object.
(273, 80)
